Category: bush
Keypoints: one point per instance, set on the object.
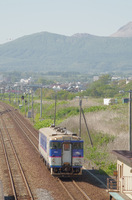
(67, 112)
(45, 123)
(98, 153)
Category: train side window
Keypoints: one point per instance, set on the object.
(77, 145)
(59, 145)
(55, 145)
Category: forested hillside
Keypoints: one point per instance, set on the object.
(83, 53)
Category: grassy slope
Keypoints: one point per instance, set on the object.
(108, 129)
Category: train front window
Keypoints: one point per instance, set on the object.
(66, 147)
(55, 145)
(77, 145)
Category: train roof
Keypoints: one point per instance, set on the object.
(58, 132)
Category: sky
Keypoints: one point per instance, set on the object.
(65, 17)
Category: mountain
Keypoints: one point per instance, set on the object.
(125, 31)
(82, 53)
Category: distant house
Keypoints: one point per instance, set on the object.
(115, 78)
(122, 186)
(56, 87)
(109, 101)
(95, 78)
(25, 81)
(128, 80)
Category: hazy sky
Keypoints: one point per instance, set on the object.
(65, 17)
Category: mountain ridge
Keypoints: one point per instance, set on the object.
(82, 53)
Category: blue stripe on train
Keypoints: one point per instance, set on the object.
(77, 153)
(59, 166)
(57, 153)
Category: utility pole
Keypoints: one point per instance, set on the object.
(82, 112)
(4, 94)
(80, 104)
(41, 103)
(87, 127)
(25, 106)
(9, 95)
(1, 93)
(55, 109)
(28, 101)
(130, 120)
(32, 107)
(15, 95)
(18, 96)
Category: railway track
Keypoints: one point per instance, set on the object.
(20, 187)
(32, 136)
(72, 188)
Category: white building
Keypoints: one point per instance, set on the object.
(122, 186)
(109, 101)
(25, 81)
(95, 78)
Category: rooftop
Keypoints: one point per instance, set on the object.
(124, 155)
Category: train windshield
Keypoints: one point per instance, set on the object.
(77, 145)
(66, 147)
(55, 145)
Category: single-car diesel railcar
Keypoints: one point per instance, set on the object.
(61, 150)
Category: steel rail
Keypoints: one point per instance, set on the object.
(85, 195)
(25, 134)
(66, 189)
(8, 166)
(26, 126)
(81, 191)
(19, 164)
(6, 106)
(19, 125)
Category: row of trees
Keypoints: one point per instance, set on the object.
(103, 88)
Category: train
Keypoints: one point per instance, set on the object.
(61, 150)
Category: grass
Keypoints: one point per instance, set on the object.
(106, 125)
(98, 154)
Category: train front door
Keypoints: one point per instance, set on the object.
(67, 154)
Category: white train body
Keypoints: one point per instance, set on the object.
(61, 150)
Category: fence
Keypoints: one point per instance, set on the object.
(112, 184)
